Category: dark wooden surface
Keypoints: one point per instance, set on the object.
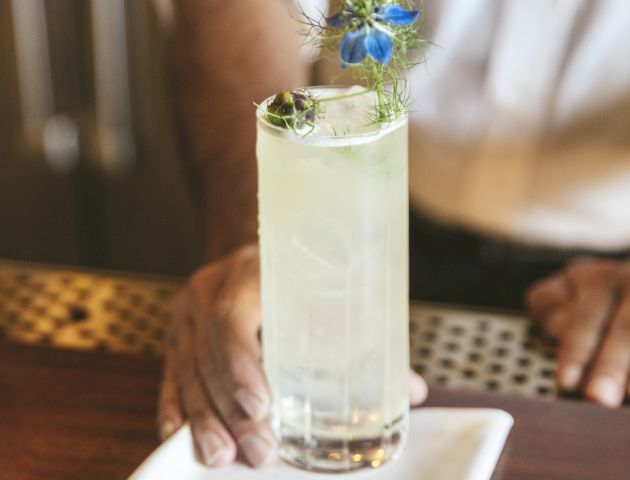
(90, 416)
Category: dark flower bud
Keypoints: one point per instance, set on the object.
(291, 109)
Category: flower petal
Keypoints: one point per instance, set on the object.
(352, 47)
(380, 46)
(397, 15)
(339, 20)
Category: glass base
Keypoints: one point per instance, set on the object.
(339, 456)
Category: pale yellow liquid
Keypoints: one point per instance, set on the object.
(334, 257)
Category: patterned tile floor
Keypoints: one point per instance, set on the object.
(124, 313)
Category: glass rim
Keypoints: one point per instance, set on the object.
(328, 139)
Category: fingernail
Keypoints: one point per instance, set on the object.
(605, 391)
(210, 447)
(258, 452)
(167, 429)
(252, 404)
(570, 376)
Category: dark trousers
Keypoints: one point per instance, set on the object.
(450, 265)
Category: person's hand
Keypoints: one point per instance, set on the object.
(586, 307)
(213, 375)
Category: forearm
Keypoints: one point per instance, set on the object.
(228, 54)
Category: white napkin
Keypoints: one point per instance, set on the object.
(443, 444)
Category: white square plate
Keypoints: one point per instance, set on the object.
(443, 443)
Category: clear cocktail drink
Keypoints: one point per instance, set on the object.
(333, 213)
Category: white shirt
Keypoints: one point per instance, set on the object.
(521, 124)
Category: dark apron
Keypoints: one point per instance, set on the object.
(452, 265)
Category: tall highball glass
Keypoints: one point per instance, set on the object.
(333, 226)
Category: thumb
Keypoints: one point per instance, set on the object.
(418, 389)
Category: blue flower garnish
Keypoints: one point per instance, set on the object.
(380, 39)
(368, 31)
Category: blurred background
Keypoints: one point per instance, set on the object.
(90, 172)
